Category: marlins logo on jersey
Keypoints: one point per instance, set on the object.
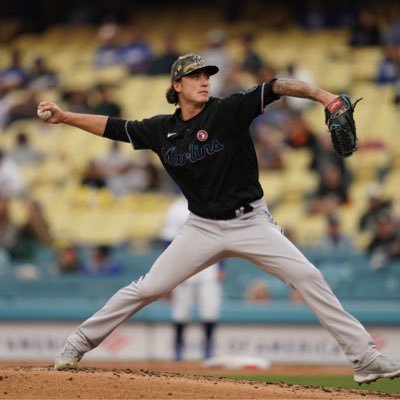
(195, 153)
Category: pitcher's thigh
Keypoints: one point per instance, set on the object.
(190, 252)
(288, 262)
(264, 245)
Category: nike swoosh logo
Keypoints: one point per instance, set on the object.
(170, 134)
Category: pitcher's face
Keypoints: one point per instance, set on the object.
(194, 88)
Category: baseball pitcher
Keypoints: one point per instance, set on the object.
(206, 148)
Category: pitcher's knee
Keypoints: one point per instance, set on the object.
(146, 291)
(308, 275)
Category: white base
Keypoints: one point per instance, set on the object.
(237, 362)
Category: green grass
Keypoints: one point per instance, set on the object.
(383, 385)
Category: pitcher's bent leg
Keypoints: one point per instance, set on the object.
(173, 266)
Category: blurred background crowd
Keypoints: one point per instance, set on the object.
(70, 202)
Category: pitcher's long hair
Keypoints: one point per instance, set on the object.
(171, 95)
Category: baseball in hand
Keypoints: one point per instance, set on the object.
(44, 114)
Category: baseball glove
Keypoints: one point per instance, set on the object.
(341, 125)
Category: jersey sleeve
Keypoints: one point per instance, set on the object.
(251, 102)
(141, 134)
(115, 130)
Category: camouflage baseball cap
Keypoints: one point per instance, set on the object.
(189, 63)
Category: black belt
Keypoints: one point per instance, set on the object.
(232, 214)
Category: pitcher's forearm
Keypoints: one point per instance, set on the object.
(95, 124)
(296, 88)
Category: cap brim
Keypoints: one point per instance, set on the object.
(211, 69)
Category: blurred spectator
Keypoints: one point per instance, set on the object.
(258, 292)
(110, 168)
(216, 53)
(252, 62)
(270, 145)
(376, 205)
(384, 246)
(8, 229)
(266, 73)
(34, 234)
(396, 99)
(389, 67)
(161, 64)
(332, 191)
(309, 15)
(5, 104)
(93, 176)
(153, 177)
(80, 13)
(324, 155)
(68, 260)
(120, 174)
(278, 116)
(11, 180)
(13, 76)
(77, 101)
(40, 76)
(299, 134)
(103, 105)
(102, 263)
(136, 53)
(290, 233)
(23, 153)
(24, 109)
(295, 71)
(232, 10)
(132, 177)
(366, 30)
(108, 51)
(113, 162)
(233, 82)
(314, 15)
(296, 297)
(26, 271)
(334, 239)
(391, 34)
(5, 264)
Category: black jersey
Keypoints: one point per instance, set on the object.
(211, 157)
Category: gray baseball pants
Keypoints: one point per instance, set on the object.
(202, 242)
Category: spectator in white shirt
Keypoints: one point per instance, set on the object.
(11, 180)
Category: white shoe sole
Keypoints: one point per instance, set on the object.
(374, 377)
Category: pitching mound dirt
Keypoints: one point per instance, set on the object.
(35, 382)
